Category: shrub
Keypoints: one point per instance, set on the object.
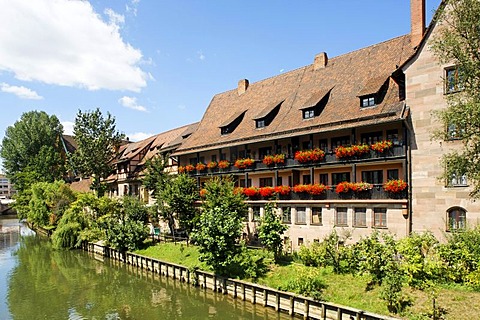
(307, 283)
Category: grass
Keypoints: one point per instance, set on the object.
(345, 289)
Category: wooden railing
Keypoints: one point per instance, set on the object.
(281, 301)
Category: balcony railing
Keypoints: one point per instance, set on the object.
(376, 193)
(396, 152)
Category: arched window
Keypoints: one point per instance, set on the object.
(456, 219)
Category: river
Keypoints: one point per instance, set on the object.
(38, 282)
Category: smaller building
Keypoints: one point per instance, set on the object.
(6, 188)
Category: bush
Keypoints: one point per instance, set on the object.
(308, 283)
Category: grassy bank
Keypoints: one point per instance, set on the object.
(345, 289)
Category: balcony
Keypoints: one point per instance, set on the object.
(395, 152)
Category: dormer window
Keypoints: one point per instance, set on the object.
(308, 113)
(266, 116)
(260, 123)
(367, 101)
(314, 106)
(232, 123)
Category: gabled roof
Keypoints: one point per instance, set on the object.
(347, 74)
(69, 143)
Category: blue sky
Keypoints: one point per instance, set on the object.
(156, 64)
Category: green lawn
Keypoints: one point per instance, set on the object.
(346, 289)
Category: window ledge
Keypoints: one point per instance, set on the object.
(362, 226)
(316, 224)
(379, 227)
(301, 223)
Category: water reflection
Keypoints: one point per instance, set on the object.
(51, 284)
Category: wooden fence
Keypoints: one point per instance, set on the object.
(294, 305)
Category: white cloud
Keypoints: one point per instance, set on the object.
(201, 56)
(131, 102)
(21, 92)
(133, 7)
(67, 43)
(68, 127)
(138, 136)
(116, 19)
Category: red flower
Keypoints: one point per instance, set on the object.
(314, 155)
(279, 158)
(266, 191)
(354, 150)
(223, 164)
(244, 163)
(181, 169)
(300, 188)
(283, 190)
(200, 166)
(250, 191)
(343, 187)
(318, 188)
(381, 146)
(189, 168)
(203, 193)
(268, 160)
(395, 186)
(212, 164)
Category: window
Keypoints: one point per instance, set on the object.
(317, 215)
(266, 151)
(192, 161)
(341, 217)
(301, 216)
(214, 158)
(256, 213)
(453, 80)
(360, 217)
(260, 124)
(392, 135)
(456, 219)
(373, 177)
(308, 113)
(392, 174)
(286, 215)
(324, 178)
(266, 182)
(367, 101)
(306, 145)
(458, 180)
(453, 132)
(380, 217)
(306, 179)
(243, 185)
(340, 177)
(372, 137)
(323, 144)
(300, 241)
(340, 141)
(279, 181)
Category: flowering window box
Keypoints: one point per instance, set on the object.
(212, 165)
(244, 163)
(189, 168)
(282, 190)
(395, 186)
(223, 164)
(354, 150)
(266, 192)
(200, 167)
(251, 192)
(306, 156)
(382, 146)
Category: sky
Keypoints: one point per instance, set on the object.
(156, 64)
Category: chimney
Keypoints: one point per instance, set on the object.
(242, 86)
(320, 61)
(417, 12)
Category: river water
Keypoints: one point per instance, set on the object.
(38, 282)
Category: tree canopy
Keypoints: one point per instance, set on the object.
(97, 143)
(458, 43)
(33, 145)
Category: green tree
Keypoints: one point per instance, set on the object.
(271, 230)
(31, 152)
(177, 200)
(155, 175)
(97, 144)
(458, 43)
(220, 225)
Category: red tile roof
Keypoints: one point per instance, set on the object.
(349, 75)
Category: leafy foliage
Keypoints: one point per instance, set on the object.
(457, 43)
(307, 283)
(271, 230)
(97, 141)
(220, 225)
(177, 199)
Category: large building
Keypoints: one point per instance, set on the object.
(6, 187)
(329, 136)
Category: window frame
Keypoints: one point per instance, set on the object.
(368, 101)
(382, 214)
(344, 220)
(308, 113)
(319, 214)
(304, 215)
(451, 84)
(460, 219)
(360, 214)
(287, 215)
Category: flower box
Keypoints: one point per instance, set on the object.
(382, 146)
(395, 186)
(283, 190)
(313, 189)
(345, 187)
(266, 192)
(200, 166)
(268, 160)
(212, 165)
(189, 168)
(251, 192)
(223, 164)
(354, 150)
(306, 156)
(181, 169)
(244, 163)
